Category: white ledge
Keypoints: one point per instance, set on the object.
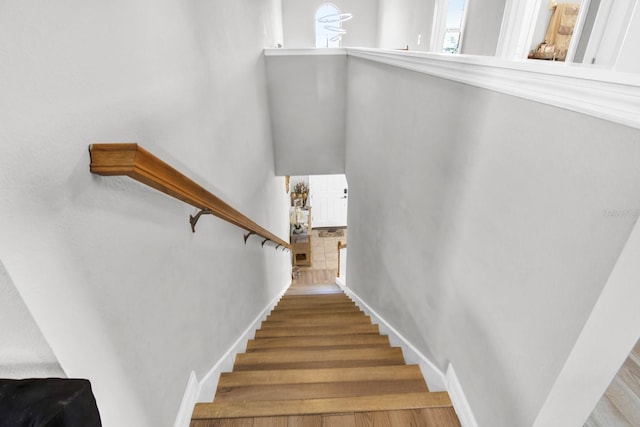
(304, 52)
(605, 94)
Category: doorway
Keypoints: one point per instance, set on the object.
(326, 204)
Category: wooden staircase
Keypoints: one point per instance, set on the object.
(318, 361)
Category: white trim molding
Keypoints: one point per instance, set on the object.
(321, 51)
(605, 94)
(432, 374)
(205, 389)
(459, 400)
(188, 402)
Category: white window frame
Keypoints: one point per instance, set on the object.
(338, 25)
(440, 23)
(520, 17)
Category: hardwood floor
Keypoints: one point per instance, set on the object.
(620, 404)
(318, 361)
(324, 267)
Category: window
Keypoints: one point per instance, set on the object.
(329, 29)
(448, 25)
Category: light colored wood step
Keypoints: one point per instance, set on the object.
(298, 304)
(321, 296)
(314, 320)
(296, 331)
(315, 312)
(268, 408)
(316, 299)
(308, 376)
(303, 359)
(318, 390)
(310, 314)
(321, 341)
(322, 348)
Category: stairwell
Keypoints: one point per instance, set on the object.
(317, 360)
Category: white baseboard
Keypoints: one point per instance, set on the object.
(434, 376)
(209, 382)
(205, 389)
(459, 400)
(188, 402)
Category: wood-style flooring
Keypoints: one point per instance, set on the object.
(317, 360)
(324, 256)
(620, 404)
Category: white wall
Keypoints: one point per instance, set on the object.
(299, 25)
(307, 98)
(403, 23)
(476, 227)
(24, 352)
(121, 289)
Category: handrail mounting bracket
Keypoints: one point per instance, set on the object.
(193, 220)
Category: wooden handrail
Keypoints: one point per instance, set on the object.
(135, 162)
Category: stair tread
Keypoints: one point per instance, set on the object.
(385, 402)
(327, 320)
(316, 341)
(323, 297)
(292, 331)
(314, 306)
(295, 311)
(318, 390)
(291, 376)
(311, 358)
(316, 355)
(303, 314)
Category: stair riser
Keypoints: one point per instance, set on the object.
(306, 331)
(318, 311)
(318, 391)
(319, 364)
(283, 316)
(314, 355)
(332, 340)
(314, 376)
(330, 321)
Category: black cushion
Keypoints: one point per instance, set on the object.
(48, 402)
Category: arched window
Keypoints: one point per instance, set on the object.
(328, 21)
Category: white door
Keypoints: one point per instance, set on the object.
(328, 198)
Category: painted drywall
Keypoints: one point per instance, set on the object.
(122, 290)
(405, 23)
(307, 99)
(24, 352)
(299, 26)
(482, 27)
(478, 227)
(608, 337)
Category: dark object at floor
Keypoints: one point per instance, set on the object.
(48, 402)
